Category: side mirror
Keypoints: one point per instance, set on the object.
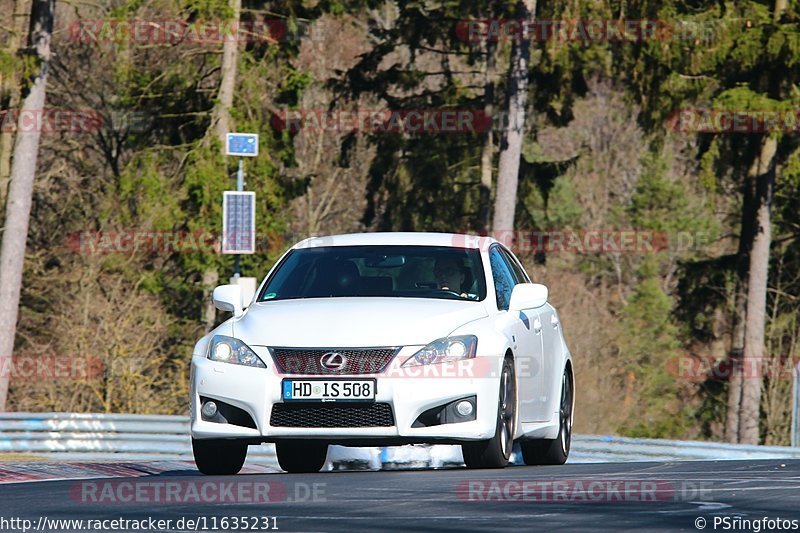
(249, 287)
(527, 296)
(228, 298)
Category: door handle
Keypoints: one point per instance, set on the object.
(537, 325)
(554, 321)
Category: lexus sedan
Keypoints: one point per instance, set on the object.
(383, 339)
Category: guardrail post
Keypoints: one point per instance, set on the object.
(796, 407)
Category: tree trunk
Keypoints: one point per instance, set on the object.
(10, 92)
(221, 115)
(744, 388)
(780, 7)
(220, 125)
(735, 380)
(487, 150)
(20, 192)
(511, 141)
(740, 304)
(757, 296)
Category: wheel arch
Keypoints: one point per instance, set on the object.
(570, 372)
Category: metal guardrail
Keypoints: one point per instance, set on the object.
(103, 436)
(122, 437)
(611, 448)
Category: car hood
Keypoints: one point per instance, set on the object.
(353, 322)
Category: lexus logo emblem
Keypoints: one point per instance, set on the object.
(332, 361)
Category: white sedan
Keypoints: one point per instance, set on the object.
(382, 339)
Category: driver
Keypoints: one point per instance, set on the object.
(449, 273)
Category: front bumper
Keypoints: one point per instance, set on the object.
(409, 392)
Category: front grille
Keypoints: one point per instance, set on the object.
(332, 416)
(355, 360)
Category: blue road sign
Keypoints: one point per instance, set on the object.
(241, 144)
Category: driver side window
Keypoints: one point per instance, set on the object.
(503, 278)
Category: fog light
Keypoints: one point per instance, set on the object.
(464, 408)
(209, 409)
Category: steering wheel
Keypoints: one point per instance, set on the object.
(454, 293)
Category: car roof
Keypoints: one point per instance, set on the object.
(456, 240)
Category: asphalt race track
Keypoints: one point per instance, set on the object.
(666, 496)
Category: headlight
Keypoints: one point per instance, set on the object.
(230, 350)
(443, 350)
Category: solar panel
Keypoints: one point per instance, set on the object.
(241, 144)
(238, 222)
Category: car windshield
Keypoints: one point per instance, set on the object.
(378, 271)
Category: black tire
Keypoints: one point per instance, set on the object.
(219, 457)
(554, 451)
(494, 453)
(301, 457)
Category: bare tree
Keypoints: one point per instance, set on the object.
(20, 192)
(221, 115)
(220, 126)
(105, 341)
(511, 140)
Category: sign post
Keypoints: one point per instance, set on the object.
(239, 210)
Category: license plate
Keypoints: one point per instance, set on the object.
(328, 390)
